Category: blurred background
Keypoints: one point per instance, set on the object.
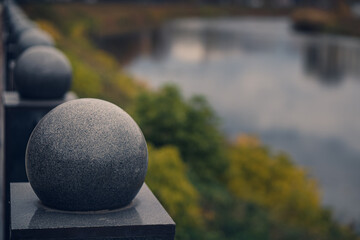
(250, 107)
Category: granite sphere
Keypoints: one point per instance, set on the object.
(42, 72)
(33, 37)
(86, 155)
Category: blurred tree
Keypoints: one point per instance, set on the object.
(272, 181)
(289, 194)
(342, 8)
(166, 118)
(167, 178)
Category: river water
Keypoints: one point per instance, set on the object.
(298, 93)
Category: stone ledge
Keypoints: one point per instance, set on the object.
(144, 218)
(12, 99)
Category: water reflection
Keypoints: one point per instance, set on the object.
(127, 46)
(331, 59)
(263, 78)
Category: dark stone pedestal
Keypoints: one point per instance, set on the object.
(21, 117)
(144, 218)
(9, 79)
(9, 64)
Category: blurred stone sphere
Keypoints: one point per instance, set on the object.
(33, 37)
(42, 72)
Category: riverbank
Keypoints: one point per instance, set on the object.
(113, 19)
(315, 20)
(109, 19)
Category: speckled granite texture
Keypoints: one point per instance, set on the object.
(86, 154)
(144, 218)
(42, 72)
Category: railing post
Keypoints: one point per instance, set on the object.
(37, 79)
(43, 77)
(86, 161)
(16, 23)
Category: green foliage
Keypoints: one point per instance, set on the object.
(272, 180)
(258, 195)
(166, 118)
(87, 82)
(167, 178)
(290, 197)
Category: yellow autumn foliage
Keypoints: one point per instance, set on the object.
(167, 178)
(272, 181)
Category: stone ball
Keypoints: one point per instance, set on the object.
(33, 37)
(42, 72)
(86, 155)
(18, 26)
